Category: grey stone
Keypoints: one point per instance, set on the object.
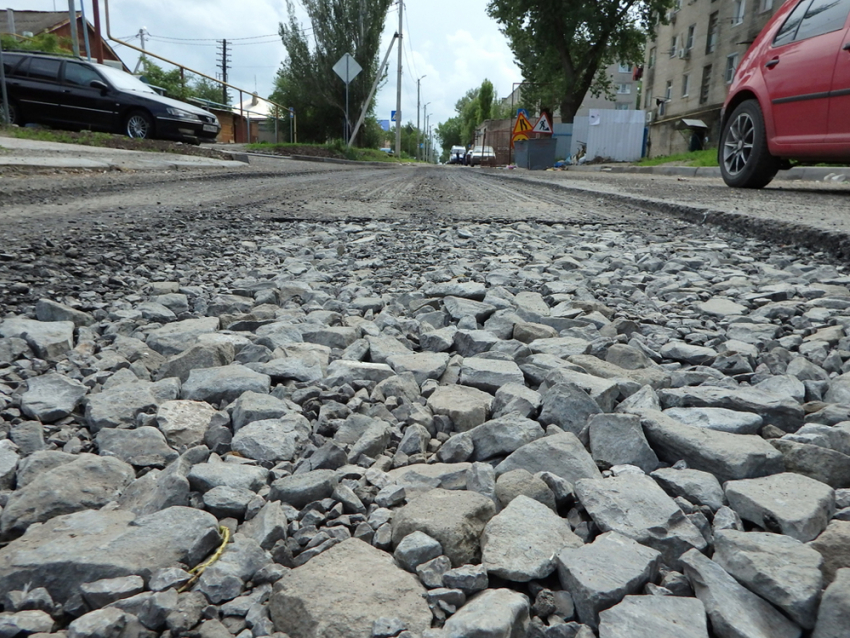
(718, 419)
(700, 488)
(516, 398)
(518, 482)
(466, 407)
(817, 462)
(733, 610)
(253, 406)
(8, 465)
(489, 374)
(431, 572)
(519, 544)
(339, 337)
(654, 617)
(51, 397)
(600, 574)
(273, 440)
(88, 482)
(439, 340)
(174, 338)
(102, 623)
(834, 608)
(373, 442)
(268, 526)
(834, 545)
(224, 502)
(617, 439)
(786, 503)
(455, 519)
(658, 523)
(184, 423)
(223, 384)
(457, 449)
(67, 551)
(50, 340)
(225, 579)
(119, 406)
(25, 623)
(143, 447)
(567, 406)
(561, 454)
(468, 578)
(28, 436)
(778, 568)
(727, 456)
(346, 370)
(469, 343)
(561, 347)
(292, 368)
(100, 593)
(48, 310)
(415, 440)
(300, 489)
(786, 414)
(422, 365)
(495, 613)
(317, 600)
(198, 356)
(167, 578)
(205, 476)
(415, 549)
(687, 353)
(503, 435)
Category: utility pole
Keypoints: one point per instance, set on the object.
(143, 32)
(418, 130)
(72, 18)
(98, 45)
(224, 59)
(398, 119)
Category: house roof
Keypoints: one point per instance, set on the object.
(257, 109)
(34, 21)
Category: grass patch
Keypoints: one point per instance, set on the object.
(86, 138)
(707, 157)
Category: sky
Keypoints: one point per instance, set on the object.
(453, 43)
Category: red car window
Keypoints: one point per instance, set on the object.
(788, 30)
(823, 16)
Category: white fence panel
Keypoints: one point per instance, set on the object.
(580, 130)
(615, 135)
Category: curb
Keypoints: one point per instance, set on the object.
(772, 231)
(798, 173)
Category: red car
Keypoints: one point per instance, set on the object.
(790, 99)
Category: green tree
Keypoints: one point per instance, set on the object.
(563, 46)
(485, 101)
(47, 42)
(174, 85)
(306, 79)
(207, 90)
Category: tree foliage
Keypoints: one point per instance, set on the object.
(306, 80)
(476, 106)
(46, 42)
(563, 46)
(180, 87)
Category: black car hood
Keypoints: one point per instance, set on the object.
(167, 101)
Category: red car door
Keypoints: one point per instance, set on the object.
(839, 104)
(798, 70)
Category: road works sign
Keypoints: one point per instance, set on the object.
(543, 126)
(522, 125)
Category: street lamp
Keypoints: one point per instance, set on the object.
(418, 132)
(425, 119)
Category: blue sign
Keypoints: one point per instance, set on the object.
(521, 112)
(384, 124)
(392, 116)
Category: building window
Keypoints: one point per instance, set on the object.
(624, 68)
(711, 38)
(674, 42)
(689, 42)
(739, 8)
(647, 104)
(624, 88)
(686, 84)
(705, 86)
(621, 106)
(668, 92)
(731, 65)
(651, 57)
(766, 5)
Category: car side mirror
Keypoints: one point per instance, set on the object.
(97, 84)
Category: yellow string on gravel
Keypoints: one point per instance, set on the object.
(198, 570)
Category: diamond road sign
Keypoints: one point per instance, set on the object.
(347, 68)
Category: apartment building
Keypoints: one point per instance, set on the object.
(690, 64)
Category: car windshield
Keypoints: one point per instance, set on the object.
(124, 81)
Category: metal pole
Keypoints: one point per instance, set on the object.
(10, 21)
(347, 78)
(72, 18)
(85, 29)
(4, 112)
(98, 44)
(372, 91)
(141, 57)
(398, 85)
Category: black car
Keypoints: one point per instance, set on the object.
(71, 93)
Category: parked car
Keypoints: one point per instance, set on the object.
(72, 93)
(481, 155)
(456, 155)
(388, 151)
(790, 98)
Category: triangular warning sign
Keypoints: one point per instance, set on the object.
(543, 125)
(522, 125)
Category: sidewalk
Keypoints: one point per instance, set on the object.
(802, 173)
(33, 154)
